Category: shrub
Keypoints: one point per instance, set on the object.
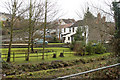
(72, 45)
(100, 49)
(90, 48)
(79, 48)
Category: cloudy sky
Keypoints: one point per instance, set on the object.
(73, 8)
(70, 8)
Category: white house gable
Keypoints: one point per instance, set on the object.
(69, 33)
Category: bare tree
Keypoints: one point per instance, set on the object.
(30, 25)
(45, 28)
(50, 14)
(36, 12)
(14, 9)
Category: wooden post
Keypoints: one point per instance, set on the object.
(5, 56)
(25, 55)
(47, 55)
(37, 56)
(13, 57)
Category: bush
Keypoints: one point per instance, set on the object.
(79, 48)
(72, 46)
(100, 49)
(90, 48)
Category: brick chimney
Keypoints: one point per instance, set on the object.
(99, 16)
(104, 19)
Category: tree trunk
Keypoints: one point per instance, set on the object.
(10, 45)
(32, 45)
(11, 33)
(45, 28)
(29, 42)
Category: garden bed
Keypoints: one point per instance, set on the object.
(57, 72)
(10, 69)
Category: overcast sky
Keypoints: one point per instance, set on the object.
(70, 8)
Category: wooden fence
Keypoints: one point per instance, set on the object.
(37, 52)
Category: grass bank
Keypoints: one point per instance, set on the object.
(68, 56)
(54, 73)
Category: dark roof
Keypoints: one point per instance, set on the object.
(6, 14)
(68, 20)
(65, 26)
(78, 23)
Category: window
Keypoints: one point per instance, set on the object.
(69, 29)
(64, 30)
(68, 38)
(73, 29)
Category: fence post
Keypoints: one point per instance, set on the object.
(25, 55)
(47, 54)
(37, 56)
(13, 57)
(5, 56)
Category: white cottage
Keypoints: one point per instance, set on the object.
(68, 33)
(63, 28)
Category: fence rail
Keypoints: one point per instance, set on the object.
(93, 70)
(37, 53)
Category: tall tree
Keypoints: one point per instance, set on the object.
(45, 23)
(13, 8)
(30, 25)
(35, 16)
(78, 36)
(116, 8)
(38, 12)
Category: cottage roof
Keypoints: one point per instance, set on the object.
(66, 25)
(67, 21)
(78, 23)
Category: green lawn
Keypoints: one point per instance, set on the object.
(68, 55)
(35, 48)
(55, 43)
